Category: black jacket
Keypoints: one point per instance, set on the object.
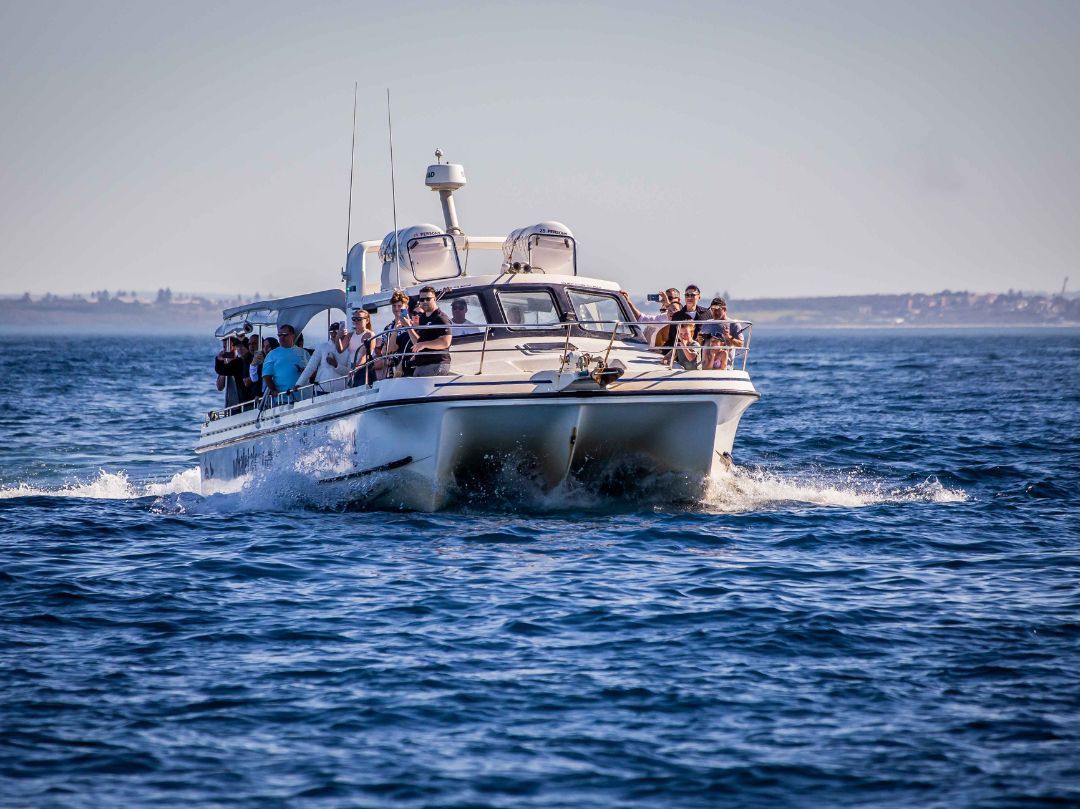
(700, 313)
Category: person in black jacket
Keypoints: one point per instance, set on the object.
(690, 311)
(233, 365)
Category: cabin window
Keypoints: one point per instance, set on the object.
(597, 312)
(466, 314)
(528, 307)
(433, 258)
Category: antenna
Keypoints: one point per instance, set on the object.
(352, 163)
(393, 190)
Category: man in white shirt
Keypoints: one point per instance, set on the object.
(461, 324)
(329, 362)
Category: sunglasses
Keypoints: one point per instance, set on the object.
(693, 294)
(426, 298)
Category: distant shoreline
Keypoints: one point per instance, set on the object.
(178, 314)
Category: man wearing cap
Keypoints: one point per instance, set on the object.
(714, 335)
(462, 325)
(330, 361)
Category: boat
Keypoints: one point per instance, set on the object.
(552, 382)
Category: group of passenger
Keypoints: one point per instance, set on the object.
(239, 367)
(417, 343)
(411, 344)
(687, 334)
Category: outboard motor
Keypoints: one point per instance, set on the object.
(547, 247)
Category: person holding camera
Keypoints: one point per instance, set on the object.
(329, 362)
(432, 340)
(669, 305)
(716, 335)
(232, 365)
(691, 311)
(394, 342)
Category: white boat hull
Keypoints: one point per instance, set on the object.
(458, 438)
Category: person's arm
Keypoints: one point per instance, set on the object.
(268, 373)
(440, 343)
(637, 312)
(309, 369)
(436, 344)
(226, 365)
(735, 336)
(220, 382)
(414, 321)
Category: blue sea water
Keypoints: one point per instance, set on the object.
(880, 607)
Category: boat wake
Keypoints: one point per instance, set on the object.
(109, 486)
(756, 489)
(742, 490)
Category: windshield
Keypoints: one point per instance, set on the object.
(597, 311)
(528, 307)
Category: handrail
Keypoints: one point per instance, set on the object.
(269, 401)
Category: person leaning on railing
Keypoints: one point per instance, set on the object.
(715, 335)
(283, 366)
(691, 311)
(686, 352)
(393, 342)
(268, 345)
(361, 349)
(432, 340)
(330, 360)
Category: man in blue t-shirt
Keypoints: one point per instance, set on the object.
(283, 366)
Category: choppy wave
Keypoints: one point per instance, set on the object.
(828, 624)
(741, 490)
(109, 486)
(755, 489)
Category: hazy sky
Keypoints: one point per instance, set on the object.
(767, 149)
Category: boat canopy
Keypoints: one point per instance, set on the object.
(296, 311)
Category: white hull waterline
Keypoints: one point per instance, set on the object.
(415, 443)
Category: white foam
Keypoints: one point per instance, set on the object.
(109, 486)
(743, 490)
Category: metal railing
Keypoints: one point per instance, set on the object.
(728, 354)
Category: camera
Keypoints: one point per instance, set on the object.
(655, 296)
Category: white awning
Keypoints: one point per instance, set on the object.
(296, 311)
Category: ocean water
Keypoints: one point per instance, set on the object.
(879, 607)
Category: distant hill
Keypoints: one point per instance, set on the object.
(105, 314)
(918, 309)
(169, 313)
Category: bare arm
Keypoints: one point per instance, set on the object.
(438, 344)
(626, 297)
